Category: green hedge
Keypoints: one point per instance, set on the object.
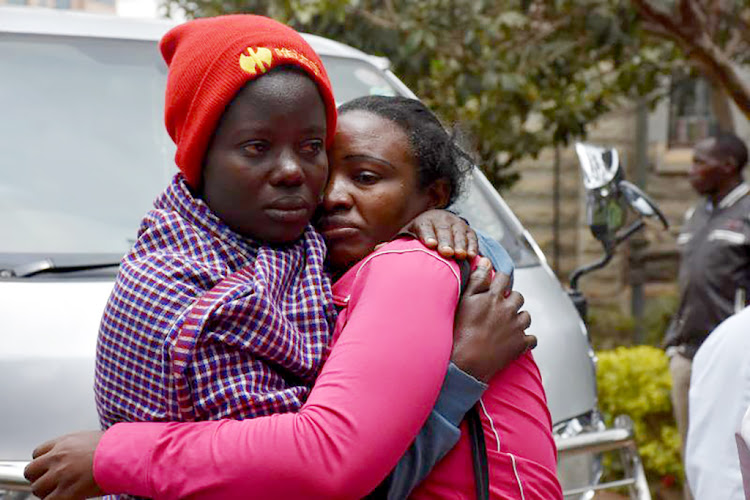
(612, 327)
(635, 381)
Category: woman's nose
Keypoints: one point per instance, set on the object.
(288, 171)
(336, 194)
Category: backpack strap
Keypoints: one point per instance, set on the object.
(465, 268)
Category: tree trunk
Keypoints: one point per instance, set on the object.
(720, 69)
(691, 35)
(721, 108)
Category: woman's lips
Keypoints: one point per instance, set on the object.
(288, 216)
(289, 210)
(339, 233)
(337, 229)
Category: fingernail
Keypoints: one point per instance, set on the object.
(431, 241)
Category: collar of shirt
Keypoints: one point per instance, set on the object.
(179, 198)
(731, 198)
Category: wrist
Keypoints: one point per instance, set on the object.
(460, 391)
(469, 364)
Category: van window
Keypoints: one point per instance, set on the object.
(352, 78)
(85, 152)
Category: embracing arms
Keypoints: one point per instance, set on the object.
(172, 444)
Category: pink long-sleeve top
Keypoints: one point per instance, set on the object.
(391, 347)
(521, 452)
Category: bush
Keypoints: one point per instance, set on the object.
(635, 381)
(657, 316)
(611, 327)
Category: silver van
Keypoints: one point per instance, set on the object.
(84, 152)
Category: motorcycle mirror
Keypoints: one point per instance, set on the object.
(605, 208)
(608, 196)
(641, 202)
(600, 166)
(605, 215)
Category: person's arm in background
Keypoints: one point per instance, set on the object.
(498, 255)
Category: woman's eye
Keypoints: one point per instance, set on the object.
(255, 148)
(366, 177)
(312, 148)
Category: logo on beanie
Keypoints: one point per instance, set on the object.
(301, 59)
(257, 60)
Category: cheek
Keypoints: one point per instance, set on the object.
(317, 176)
(387, 212)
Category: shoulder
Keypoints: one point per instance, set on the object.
(171, 249)
(164, 229)
(403, 252)
(744, 207)
(167, 232)
(690, 212)
(408, 259)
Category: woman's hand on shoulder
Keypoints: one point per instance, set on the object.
(446, 232)
(489, 330)
(63, 468)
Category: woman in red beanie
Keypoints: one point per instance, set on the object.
(250, 108)
(223, 308)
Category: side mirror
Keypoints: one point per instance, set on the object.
(600, 166)
(608, 196)
(605, 214)
(641, 202)
(606, 210)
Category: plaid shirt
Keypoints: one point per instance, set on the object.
(205, 324)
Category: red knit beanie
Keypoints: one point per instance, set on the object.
(210, 60)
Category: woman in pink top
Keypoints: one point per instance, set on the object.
(392, 344)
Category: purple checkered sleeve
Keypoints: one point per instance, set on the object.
(204, 324)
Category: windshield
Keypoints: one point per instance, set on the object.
(85, 152)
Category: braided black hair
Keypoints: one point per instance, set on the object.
(437, 154)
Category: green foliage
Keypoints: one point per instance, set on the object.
(515, 75)
(635, 381)
(658, 315)
(610, 327)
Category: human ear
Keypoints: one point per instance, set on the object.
(729, 166)
(439, 193)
